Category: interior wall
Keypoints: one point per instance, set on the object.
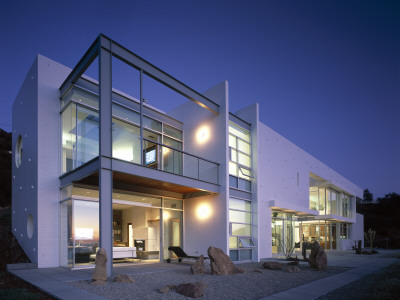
(145, 224)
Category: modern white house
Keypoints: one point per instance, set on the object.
(96, 167)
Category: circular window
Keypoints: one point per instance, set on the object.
(29, 226)
(18, 151)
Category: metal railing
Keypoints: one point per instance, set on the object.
(171, 160)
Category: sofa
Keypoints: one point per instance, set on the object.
(120, 252)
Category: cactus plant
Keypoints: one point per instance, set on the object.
(370, 237)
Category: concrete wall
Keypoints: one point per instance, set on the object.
(357, 229)
(25, 178)
(36, 183)
(51, 76)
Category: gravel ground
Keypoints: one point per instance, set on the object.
(250, 285)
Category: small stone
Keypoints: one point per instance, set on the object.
(198, 266)
(257, 271)
(123, 278)
(164, 289)
(293, 269)
(192, 290)
(271, 265)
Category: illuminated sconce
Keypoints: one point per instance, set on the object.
(203, 211)
(203, 134)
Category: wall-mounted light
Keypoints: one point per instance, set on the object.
(203, 211)
(203, 134)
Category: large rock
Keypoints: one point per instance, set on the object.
(198, 266)
(192, 290)
(220, 263)
(292, 269)
(123, 278)
(272, 265)
(318, 259)
(100, 270)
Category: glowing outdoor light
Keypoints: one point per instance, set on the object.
(203, 134)
(203, 211)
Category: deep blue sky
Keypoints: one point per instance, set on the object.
(326, 73)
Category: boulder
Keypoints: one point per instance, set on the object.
(220, 263)
(100, 269)
(272, 265)
(98, 282)
(192, 290)
(318, 259)
(198, 266)
(322, 260)
(258, 271)
(123, 278)
(292, 269)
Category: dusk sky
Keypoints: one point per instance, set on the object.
(326, 74)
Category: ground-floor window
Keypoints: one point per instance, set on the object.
(285, 232)
(143, 225)
(240, 231)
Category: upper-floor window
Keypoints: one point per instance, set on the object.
(162, 143)
(239, 157)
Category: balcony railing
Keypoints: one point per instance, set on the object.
(169, 159)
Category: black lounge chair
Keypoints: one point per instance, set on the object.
(181, 254)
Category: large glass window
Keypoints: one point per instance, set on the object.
(240, 157)
(346, 206)
(126, 141)
(80, 136)
(240, 220)
(79, 232)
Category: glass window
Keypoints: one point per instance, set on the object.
(171, 203)
(239, 132)
(241, 229)
(245, 173)
(239, 216)
(68, 137)
(173, 132)
(244, 147)
(239, 204)
(125, 113)
(233, 181)
(233, 155)
(245, 254)
(233, 242)
(85, 230)
(244, 160)
(126, 141)
(151, 123)
(244, 185)
(234, 255)
(232, 141)
(135, 199)
(87, 135)
(246, 242)
(233, 170)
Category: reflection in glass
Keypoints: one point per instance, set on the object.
(172, 231)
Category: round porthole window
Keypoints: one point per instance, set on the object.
(18, 151)
(29, 226)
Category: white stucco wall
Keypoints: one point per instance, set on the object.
(36, 186)
(25, 178)
(199, 234)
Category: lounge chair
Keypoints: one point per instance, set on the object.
(181, 254)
